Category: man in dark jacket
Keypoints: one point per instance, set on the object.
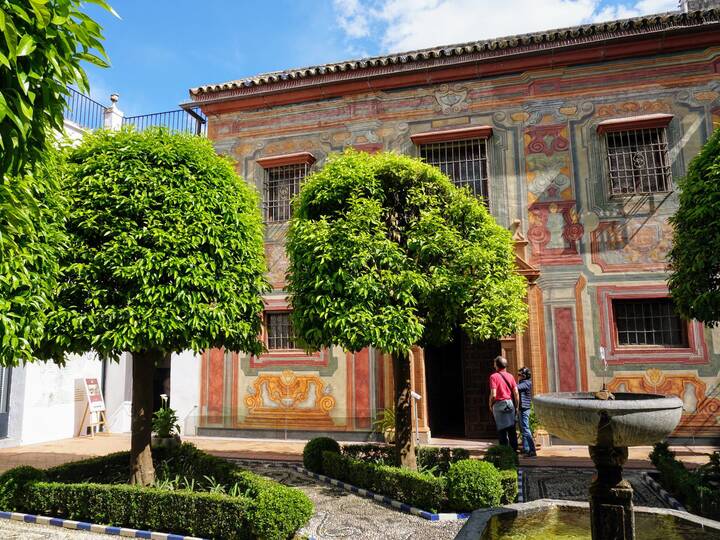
(525, 390)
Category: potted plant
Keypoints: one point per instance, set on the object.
(165, 426)
(385, 424)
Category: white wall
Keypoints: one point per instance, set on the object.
(49, 408)
(118, 394)
(185, 389)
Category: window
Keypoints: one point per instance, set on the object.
(464, 161)
(279, 331)
(649, 322)
(638, 161)
(281, 185)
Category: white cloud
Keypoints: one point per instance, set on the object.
(402, 25)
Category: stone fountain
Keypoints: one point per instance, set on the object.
(608, 424)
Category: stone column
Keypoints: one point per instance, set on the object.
(113, 115)
(611, 506)
(418, 355)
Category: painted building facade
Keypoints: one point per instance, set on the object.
(576, 138)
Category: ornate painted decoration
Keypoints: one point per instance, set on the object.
(303, 400)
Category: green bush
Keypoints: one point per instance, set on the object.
(313, 453)
(382, 454)
(503, 457)
(110, 469)
(13, 484)
(265, 510)
(509, 481)
(429, 458)
(473, 484)
(438, 460)
(207, 515)
(690, 487)
(416, 489)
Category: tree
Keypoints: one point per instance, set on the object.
(386, 252)
(695, 255)
(166, 254)
(42, 48)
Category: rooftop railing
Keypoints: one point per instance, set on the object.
(181, 120)
(84, 111)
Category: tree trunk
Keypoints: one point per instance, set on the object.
(141, 465)
(404, 440)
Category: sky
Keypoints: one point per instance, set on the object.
(159, 49)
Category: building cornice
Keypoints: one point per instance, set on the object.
(571, 46)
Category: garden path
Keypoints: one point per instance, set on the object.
(16, 530)
(340, 514)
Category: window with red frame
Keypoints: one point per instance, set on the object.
(281, 185)
(649, 322)
(279, 331)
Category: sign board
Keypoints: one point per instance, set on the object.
(96, 403)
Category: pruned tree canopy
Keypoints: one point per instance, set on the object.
(166, 248)
(695, 255)
(166, 254)
(385, 251)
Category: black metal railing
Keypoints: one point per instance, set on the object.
(182, 120)
(83, 111)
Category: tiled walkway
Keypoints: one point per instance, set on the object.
(15, 530)
(342, 515)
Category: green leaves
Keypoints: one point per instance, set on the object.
(166, 249)
(695, 255)
(42, 50)
(384, 251)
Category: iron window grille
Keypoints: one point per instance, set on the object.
(281, 185)
(464, 161)
(638, 162)
(279, 331)
(649, 322)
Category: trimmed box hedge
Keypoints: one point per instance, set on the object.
(428, 457)
(421, 490)
(265, 510)
(690, 487)
(364, 466)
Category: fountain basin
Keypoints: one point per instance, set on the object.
(569, 520)
(628, 420)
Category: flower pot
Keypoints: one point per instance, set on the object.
(165, 442)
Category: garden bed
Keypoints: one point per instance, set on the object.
(446, 479)
(195, 494)
(698, 490)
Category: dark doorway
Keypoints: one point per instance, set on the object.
(477, 367)
(161, 383)
(457, 384)
(444, 387)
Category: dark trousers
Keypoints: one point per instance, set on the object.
(508, 436)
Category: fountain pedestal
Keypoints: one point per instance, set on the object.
(611, 506)
(608, 427)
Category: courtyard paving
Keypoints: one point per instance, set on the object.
(16, 530)
(340, 514)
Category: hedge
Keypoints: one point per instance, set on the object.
(688, 486)
(313, 451)
(509, 483)
(421, 490)
(473, 484)
(266, 510)
(429, 458)
(503, 457)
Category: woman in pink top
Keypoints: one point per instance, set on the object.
(503, 402)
